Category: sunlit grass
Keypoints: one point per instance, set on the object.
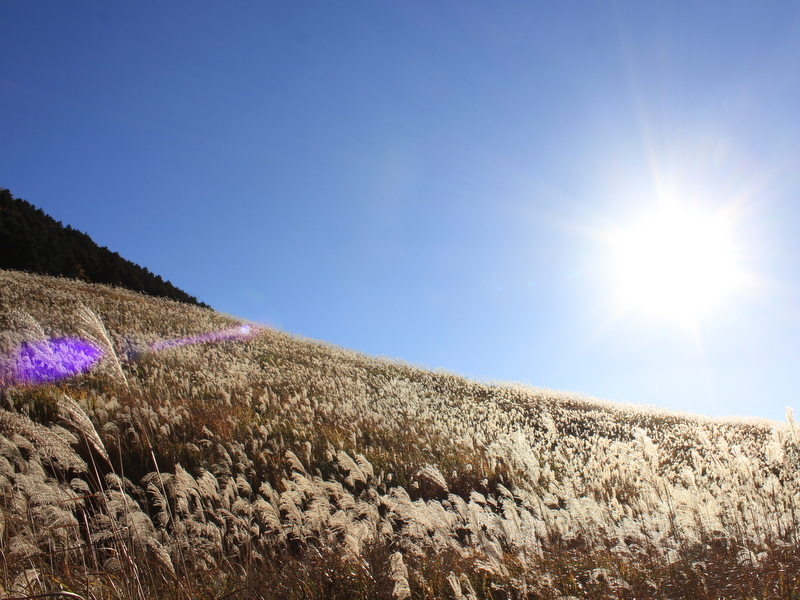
(279, 467)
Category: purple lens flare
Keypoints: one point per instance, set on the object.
(240, 332)
(54, 359)
(46, 361)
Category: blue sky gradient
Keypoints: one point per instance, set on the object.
(430, 180)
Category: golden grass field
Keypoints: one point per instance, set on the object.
(283, 468)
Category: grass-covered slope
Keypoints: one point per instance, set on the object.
(278, 467)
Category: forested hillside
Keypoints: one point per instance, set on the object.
(191, 463)
(32, 241)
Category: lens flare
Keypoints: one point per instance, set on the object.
(241, 332)
(54, 359)
(46, 361)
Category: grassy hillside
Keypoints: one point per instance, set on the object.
(278, 467)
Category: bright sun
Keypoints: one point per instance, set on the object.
(676, 262)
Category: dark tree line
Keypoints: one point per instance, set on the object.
(33, 241)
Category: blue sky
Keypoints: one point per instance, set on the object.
(431, 181)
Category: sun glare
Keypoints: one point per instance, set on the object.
(676, 262)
